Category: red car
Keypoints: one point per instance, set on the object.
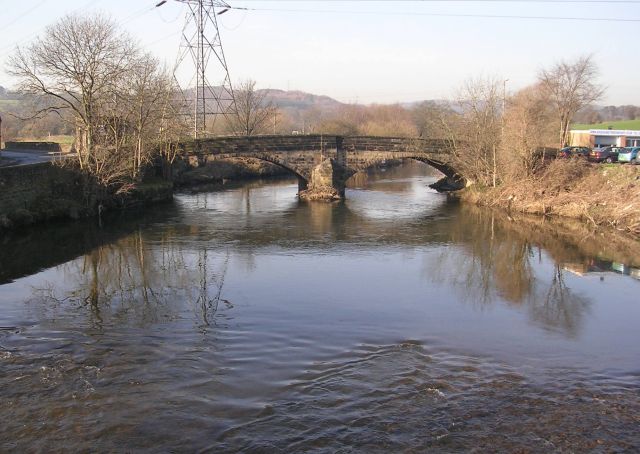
(606, 154)
(570, 152)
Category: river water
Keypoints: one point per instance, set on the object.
(242, 320)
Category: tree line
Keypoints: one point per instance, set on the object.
(123, 107)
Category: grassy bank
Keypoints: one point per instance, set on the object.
(599, 195)
(620, 124)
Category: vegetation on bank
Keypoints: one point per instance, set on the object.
(118, 100)
(505, 148)
(600, 195)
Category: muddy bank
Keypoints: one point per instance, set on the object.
(598, 195)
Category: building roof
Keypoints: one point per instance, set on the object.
(607, 132)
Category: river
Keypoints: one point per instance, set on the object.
(243, 320)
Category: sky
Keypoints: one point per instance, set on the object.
(374, 51)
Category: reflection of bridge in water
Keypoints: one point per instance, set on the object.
(323, 164)
(174, 252)
(291, 227)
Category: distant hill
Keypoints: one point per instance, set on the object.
(300, 100)
(286, 100)
(602, 114)
(437, 102)
(303, 109)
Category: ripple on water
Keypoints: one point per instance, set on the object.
(406, 398)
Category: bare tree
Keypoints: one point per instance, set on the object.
(570, 87)
(528, 128)
(374, 120)
(388, 120)
(430, 119)
(475, 133)
(149, 90)
(253, 113)
(347, 120)
(172, 128)
(87, 71)
(630, 112)
(76, 64)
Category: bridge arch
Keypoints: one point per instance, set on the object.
(450, 180)
(272, 158)
(443, 168)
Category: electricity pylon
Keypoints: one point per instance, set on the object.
(201, 41)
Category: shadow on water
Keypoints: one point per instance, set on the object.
(34, 249)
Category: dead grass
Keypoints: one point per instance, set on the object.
(599, 195)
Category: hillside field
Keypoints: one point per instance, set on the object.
(622, 124)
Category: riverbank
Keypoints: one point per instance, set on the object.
(599, 195)
(39, 193)
(43, 192)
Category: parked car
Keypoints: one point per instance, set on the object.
(606, 154)
(570, 152)
(629, 154)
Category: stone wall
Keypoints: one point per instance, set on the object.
(258, 144)
(38, 192)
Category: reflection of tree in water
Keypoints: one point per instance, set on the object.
(559, 308)
(493, 263)
(496, 261)
(205, 303)
(134, 282)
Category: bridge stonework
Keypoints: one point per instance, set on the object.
(322, 163)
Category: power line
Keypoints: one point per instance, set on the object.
(468, 15)
(7, 25)
(8, 48)
(136, 14)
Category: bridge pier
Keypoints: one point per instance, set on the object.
(327, 182)
(303, 185)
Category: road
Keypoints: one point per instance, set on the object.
(12, 158)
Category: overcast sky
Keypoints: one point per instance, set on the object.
(376, 51)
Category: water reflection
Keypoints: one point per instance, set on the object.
(134, 282)
(185, 256)
(601, 267)
(500, 263)
(396, 320)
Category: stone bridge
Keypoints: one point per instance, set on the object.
(322, 163)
